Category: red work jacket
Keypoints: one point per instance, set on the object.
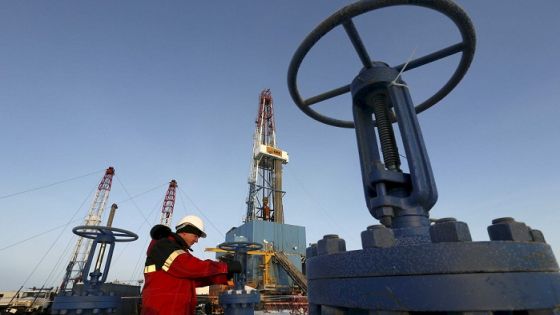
(171, 275)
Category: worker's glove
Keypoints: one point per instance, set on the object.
(233, 266)
(226, 258)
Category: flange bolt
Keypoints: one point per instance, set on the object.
(377, 236)
(330, 244)
(507, 229)
(449, 230)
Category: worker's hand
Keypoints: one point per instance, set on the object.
(233, 266)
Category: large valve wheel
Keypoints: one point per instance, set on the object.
(93, 231)
(240, 246)
(344, 17)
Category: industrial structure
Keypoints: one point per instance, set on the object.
(276, 269)
(239, 300)
(84, 289)
(168, 204)
(80, 254)
(264, 201)
(93, 295)
(409, 264)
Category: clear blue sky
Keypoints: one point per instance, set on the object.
(169, 90)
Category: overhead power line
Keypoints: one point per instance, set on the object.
(48, 185)
(36, 235)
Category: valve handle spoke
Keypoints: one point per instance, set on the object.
(327, 95)
(354, 36)
(424, 60)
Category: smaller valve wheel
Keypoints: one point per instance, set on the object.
(93, 231)
(239, 246)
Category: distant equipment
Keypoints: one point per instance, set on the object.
(91, 298)
(264, 201)
(31, 301)
(239, 300)
(408, 265)
(275, 271)
(168, 204)
(80, 254)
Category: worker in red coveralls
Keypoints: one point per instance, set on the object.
(172, 273)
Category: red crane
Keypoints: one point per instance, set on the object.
(168, 203)
(79, 257)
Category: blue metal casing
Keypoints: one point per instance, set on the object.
(286, 238)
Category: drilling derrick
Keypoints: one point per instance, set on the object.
(168, 203)
(265, 180)
(277, 268)
(80, 254)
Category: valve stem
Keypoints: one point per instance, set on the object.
(386, 134)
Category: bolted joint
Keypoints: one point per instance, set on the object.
(384, 215)
(330, 244)
(377, 236)
(449, 230)
(507, 229)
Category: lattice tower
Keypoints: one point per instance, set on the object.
(80, 254)
(264, 201)
(168, 204)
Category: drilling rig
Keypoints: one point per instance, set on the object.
(276, 270)
(265, 180)
(168, 203)
(80, 254)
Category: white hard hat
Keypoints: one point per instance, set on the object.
(192, 221)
